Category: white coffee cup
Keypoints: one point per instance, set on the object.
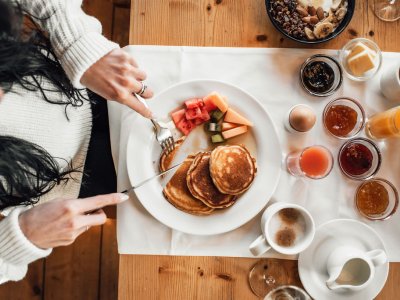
(267, 240)
(390, 82)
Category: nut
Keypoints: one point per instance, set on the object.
(301, 10)
(307, 20)
(312, 10)
(314, 20)
(320, 13)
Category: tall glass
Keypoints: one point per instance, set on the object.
(387, 10)
(385, 124)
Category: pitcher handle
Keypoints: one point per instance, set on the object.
(259, 246)
(377, 256)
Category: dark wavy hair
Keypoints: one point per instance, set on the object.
(28, 171)
(26, 56)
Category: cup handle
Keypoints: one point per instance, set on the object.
(259, 246)
(377, 256)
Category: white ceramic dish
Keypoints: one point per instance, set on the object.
(312, 262)
(143, 152)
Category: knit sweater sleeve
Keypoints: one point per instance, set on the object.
(75, 36)
(16, 251)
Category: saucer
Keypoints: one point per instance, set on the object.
(328, 236)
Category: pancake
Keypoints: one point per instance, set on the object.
(201, 185)
(232, 169)
(165, 160)
(178, 194)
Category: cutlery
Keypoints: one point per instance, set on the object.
(151, 178)
(163, 133)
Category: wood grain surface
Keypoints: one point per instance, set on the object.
(227, 23)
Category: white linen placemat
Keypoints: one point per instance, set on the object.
(272, 76)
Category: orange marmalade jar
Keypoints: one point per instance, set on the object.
(385, 124)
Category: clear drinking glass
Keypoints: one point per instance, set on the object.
(384, 125)
(287, 292)
(269, 275)
(315, 162)
(387, 10)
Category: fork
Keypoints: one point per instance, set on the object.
(164, 136)
(163, 133)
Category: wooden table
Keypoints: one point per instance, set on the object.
(234, 23)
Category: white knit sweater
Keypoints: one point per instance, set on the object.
(78, 43)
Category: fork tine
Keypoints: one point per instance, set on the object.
(169, 147)
(171, 139)
(163, 145)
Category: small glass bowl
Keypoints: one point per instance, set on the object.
(345, 51)
(376, 158)
(337, 70)
(354, 104)
(393, 200)
(293, 162)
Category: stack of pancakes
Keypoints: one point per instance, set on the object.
(211, 180)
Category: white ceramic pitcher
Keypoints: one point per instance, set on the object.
(352, 268)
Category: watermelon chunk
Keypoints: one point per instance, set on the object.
(178, 115)
(209, 104)
(185, 126)
(194, 103)
(205, 116)
(193, 113)
(198, 121)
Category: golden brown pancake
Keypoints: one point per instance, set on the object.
(178, 194)
(165, 160)
(232, 169)
(201, 185)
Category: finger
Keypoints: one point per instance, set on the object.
(132, 61)
(138, 74)
(89, 204)
(95, 219)
(135, 104)
(137, 87)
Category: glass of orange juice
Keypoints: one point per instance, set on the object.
(314, 162)
(385, 124)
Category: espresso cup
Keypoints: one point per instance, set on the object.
(286, 231)
(390, 83)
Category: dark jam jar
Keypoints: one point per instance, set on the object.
(321, 75)
(359, 158)
(318, 76)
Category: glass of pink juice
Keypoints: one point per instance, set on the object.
(314, 162)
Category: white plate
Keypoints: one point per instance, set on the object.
(143, 151)
(312, 261)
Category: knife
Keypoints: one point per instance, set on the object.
(151, 178)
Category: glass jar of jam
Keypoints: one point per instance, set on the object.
(376, 199)
(343, 117)
(359, 158)
(321, 75)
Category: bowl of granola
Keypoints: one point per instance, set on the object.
(310, 21)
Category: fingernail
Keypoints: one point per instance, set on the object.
(123, 197)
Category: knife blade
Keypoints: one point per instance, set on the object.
(151, 178)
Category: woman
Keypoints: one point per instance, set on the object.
(46, 121)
